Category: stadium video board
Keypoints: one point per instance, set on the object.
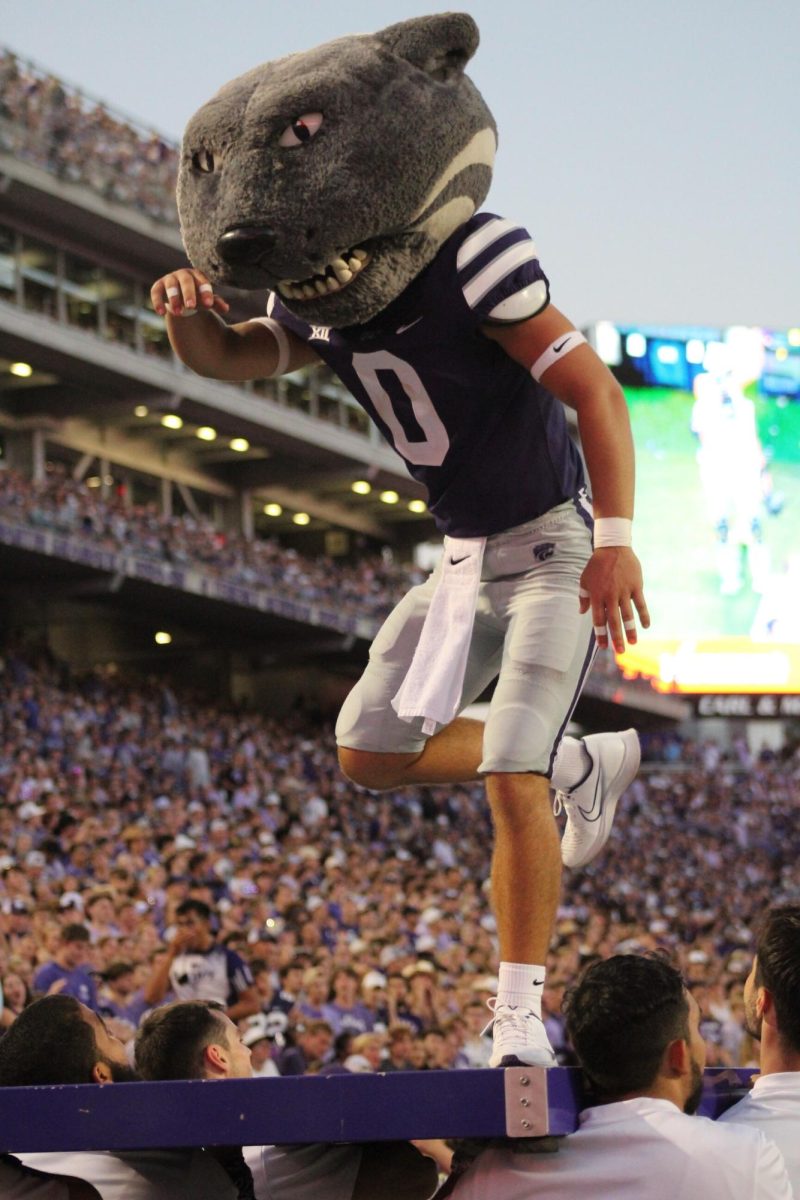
(716, 423)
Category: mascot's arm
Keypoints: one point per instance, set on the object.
(211, 348)
(612, 579)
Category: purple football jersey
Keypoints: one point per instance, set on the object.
(489, 443)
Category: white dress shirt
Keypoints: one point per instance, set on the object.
(642, 1149)
(773, 1106)
(141, 1174)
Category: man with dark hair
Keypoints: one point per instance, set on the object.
(191, 1039)
(635, 1030)
(58, 1040)
(772, 1015)
(196, 967)
(67, 973)
(195, 1040)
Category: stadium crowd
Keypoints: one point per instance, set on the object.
(344, 912)
(54, 126)
(369, 588)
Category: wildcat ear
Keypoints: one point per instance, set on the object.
(441, 45)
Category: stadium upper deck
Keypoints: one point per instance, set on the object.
(87, 221)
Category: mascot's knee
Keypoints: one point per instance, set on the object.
(367, 769)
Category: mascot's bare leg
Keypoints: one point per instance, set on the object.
(526, 871)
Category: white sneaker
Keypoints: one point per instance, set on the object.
(519, 1037)
(590, 806)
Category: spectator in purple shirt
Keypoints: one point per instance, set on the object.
(119, 997)
(67, 973)
(345, 1011)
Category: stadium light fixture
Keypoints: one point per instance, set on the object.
(21, 369)
(695, 351)
(668, 355)
(301, 518)
(361, 487)
(172, 421)
(162, 638)
(417, 506)
(141, 410)
(94, 481)
(240, 445)
(389, 497)
(272, 510)
(793, 337)
(206, 433)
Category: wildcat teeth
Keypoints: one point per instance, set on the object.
(338, 273)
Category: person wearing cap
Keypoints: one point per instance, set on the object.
(259, 1038)
(196, 967)
(67, 974)
(373, 990)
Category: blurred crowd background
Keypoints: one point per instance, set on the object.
(46, 122)
(367, 913)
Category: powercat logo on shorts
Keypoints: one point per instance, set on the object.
(544, 551)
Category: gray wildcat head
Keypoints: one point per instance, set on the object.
(333, 176)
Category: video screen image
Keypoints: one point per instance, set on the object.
(716, 423)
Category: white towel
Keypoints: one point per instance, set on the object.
(432, 686)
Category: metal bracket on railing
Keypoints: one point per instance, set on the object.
(526, 1101)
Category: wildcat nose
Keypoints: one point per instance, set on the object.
(246, 245)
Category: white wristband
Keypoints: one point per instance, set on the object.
(284, 350)
(612, 531)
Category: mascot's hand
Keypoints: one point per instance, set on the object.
(611, 585)
(182, 292)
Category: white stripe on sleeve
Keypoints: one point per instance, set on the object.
(497, 270)
(476, 242)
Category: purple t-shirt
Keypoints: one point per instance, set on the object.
(80, 983)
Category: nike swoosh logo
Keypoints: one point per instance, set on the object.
(455, 561)
(537, 982)
(404, 328)
(589, 813)
(558, 349)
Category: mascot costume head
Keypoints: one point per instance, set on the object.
(333, 177)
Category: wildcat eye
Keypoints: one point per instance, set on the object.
(203, 161)
(301, 130)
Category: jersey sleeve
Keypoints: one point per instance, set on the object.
(499, 272)
(240, 976)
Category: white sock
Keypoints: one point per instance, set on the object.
(521, 985)
(572, 764)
